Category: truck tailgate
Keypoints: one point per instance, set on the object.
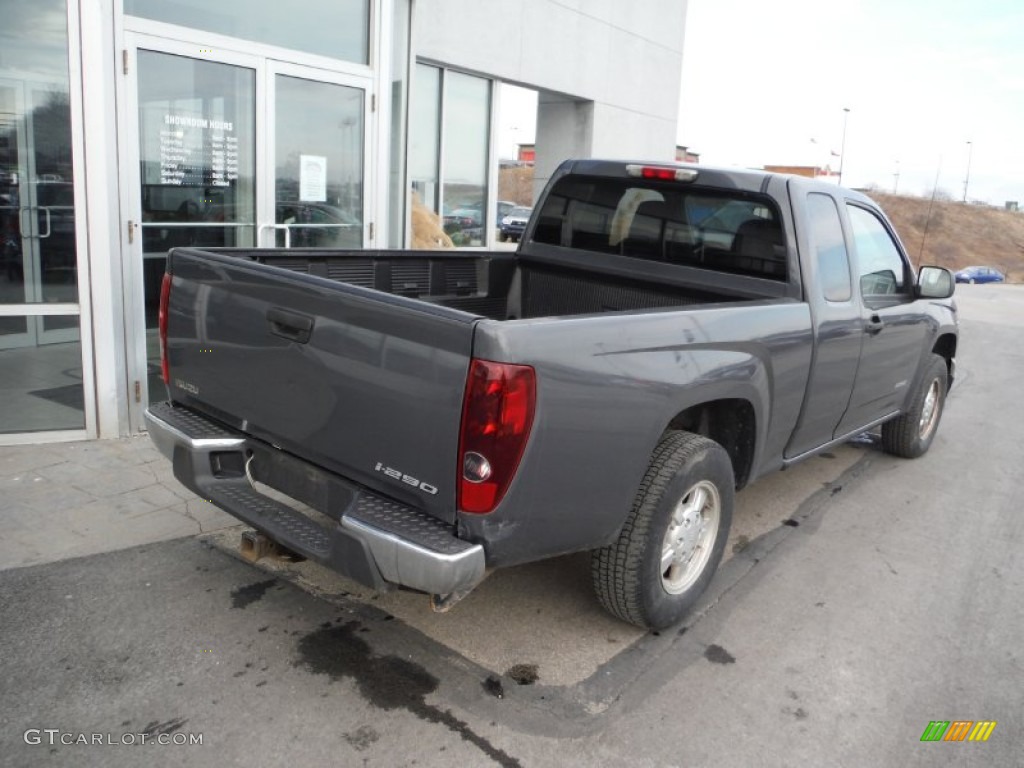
(359, 382)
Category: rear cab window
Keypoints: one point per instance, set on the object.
(717, 230)
(829, 247)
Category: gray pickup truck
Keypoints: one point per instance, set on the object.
(664, 335)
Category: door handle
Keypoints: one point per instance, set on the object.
(874, 325)
(274, 227)
(290, 325)
(46, 210)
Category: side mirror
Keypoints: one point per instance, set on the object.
(935, 283)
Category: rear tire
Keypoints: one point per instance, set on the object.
(671, 543)
(910, 434)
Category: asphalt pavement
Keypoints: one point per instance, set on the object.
(864, 603)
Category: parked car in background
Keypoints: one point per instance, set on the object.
(504, 208)
(460, 218)
(319, 225)
(514, 223)
(980, 275)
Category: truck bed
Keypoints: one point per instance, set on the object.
(493, 284)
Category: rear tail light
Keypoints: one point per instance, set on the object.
(497, 414)
(165, 295)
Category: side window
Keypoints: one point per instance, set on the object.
(826, 233)
(883, 272)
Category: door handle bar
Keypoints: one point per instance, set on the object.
(285, 227)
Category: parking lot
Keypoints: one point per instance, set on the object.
(863, 597)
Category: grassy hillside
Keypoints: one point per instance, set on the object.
(516, 185)
(958, 235)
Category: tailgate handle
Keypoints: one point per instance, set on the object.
(290, 325)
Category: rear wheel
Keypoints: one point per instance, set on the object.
(673, 539)
(910, 434)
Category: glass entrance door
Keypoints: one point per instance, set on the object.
(37, 211)
(317, 162)
(234, 150)
(41, 361)
(196, 123)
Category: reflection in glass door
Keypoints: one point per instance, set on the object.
(40, 351)
(240, 151)
(197, 153)
(37, 208)
(318, 164)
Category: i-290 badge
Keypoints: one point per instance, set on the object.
(407, 479)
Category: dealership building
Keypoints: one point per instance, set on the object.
(128, 127)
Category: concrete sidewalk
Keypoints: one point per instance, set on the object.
(63, 500)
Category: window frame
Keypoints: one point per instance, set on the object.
(489, 221)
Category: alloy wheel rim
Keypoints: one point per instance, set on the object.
(691, 533)
(929, 411)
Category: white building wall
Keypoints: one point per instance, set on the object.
(621, 61)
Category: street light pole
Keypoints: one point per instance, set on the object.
(967, 178)
(896, 179)
(842, 149)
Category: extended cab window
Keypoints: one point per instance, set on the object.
(826, 232)
(883, 272)
(726, 232)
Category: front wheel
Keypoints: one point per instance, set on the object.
(911, 433)
(672, 541)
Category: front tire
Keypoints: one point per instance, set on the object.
(672, 541)
(911, 433)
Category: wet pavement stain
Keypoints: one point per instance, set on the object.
(523, 674)
(742, 542)
(155, 727)
(716, 654)
(492, 685)
(387, 682)
(362, 738)
(243, 597)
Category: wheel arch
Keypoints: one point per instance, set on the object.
(945, 347)
(730, 422)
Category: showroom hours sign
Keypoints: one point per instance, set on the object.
(197, 151)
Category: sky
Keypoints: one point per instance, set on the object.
(767, 83)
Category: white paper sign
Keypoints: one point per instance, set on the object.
(312, 178)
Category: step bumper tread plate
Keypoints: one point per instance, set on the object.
(376, 541)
